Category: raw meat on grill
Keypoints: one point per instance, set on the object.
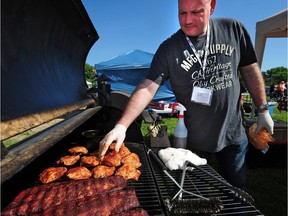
(128, 172)
(68, 160)
(103, 204)
(52, 174)
(90, 161)
(77, 173)
(132, 160)
(102, 171)
(49, 195)
(78, 150)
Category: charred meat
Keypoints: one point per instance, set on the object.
(46, 196)
(132, 212)
(104, 204)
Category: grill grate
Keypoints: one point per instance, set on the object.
(199, 183)
(153, 187)
(146, 188)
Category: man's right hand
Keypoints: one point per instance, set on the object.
(117, 134)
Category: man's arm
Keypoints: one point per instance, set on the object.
(139, 100)
(141, 97)
(255, 84)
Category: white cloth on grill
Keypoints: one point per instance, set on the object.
(174, 158)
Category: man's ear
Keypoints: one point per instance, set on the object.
(213, 5)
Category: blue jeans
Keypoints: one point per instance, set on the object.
(231, 161)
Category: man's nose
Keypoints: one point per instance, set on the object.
(189, 18)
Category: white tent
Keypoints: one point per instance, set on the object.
(272, 27)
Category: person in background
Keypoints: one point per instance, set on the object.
(201, 61)
(281, 89)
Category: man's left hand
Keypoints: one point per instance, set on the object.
(265, 121)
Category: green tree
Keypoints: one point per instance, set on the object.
(90, 73)
(276, 75)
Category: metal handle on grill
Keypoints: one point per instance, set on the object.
(162, 166)
(157, 160)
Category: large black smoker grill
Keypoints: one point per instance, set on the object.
(44, 48)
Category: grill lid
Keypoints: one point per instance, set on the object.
(42, 63)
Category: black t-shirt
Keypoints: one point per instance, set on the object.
(210, 128)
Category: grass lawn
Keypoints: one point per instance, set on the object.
(266, 173)
(280, 116)
(268, 186)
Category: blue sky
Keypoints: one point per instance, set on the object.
(127, 25)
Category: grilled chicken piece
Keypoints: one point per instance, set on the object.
(102, 171)
(123, 151)
(128, 172)
(78, 150)
(68, 160)
(79, 173)
(90, 161)
(111, 159)
(52, 174)
(131, 160)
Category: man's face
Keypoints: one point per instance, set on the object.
(194, 15)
